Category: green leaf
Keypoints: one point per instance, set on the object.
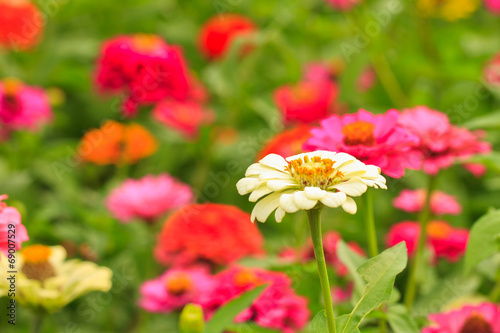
(379, 273)
(250, 328)
(400, 320)
(490, 120)
(223, 318)
(483, 239)
(319, 323)
(352, 261)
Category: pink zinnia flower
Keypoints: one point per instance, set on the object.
(493, 6)
(373, 139)
(366, 79)
(444, 241)
(10, 215)
(175, 288)
(491, 71)
(477, 169)
(323, 71)
(278, 307)
(343, 4)
(480, 318)
(307, 101)
(441, 143)
(147, 198)
(441, 203)
(23, 107)
(145, 68)
(186, 117)
(330, 243)
(342, 294)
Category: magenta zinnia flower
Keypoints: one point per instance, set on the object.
(174, 289)
(147, 198)
(10, 216)
(441, 203)
(145, 68)
(441, 143)
(443, 240)
(278, 307)
(480, 318)
(373, 139)
(23, 107)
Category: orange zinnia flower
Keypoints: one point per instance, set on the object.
(116, 143)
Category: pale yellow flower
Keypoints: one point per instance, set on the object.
(306, 181)
(450, 10)
(46, 281)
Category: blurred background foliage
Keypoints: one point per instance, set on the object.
(430, 61)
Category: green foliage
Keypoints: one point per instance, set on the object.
(484, 239)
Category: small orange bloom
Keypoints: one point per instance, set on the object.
(22, 24)
(116, 143)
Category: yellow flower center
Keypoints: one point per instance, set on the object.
(179, 283)
(36, 262)
(476, 324)
(11, 86)
(438, 229)
(314, 172)
(359, 133)
(246, 277)
(146, 43)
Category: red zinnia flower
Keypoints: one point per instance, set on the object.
(220, 31)
(214, 233)
(21, 22)
(307, 101)
(145, 68)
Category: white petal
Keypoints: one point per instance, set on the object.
(332, 199)
(247, 185)
(279, 214)
(274, 161)
(354, 187)
(287, 203)
(303, 202)
(280, 184)
(350, 206)
(270, 175)
(256, 169)
(265, 207)
(314, 193)
(259, 193)
(342, 159)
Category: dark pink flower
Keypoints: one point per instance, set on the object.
(145, 68)
(342, 294)
(148, 198)
(23, 107)
(10, 216)
(477, 169)
(306, 101)
(441, 203)
(176, 288)
(444, 240)
(186, 117)
(441, 143)
(366, 79)
(491, 71)
(493, 6)
(278, 307)
(373, 139)
(324, 70)
(343, 4)
(480, 318)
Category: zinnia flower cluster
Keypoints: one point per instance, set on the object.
(441, 143)
(444, 240)
(301, 182)
(22, 24)
(23, 107)
(9, 216)
(441, 203)
(116, 143)
(478, 318)
(207, 233)
(45, 280)
(218, 34)
(373, 139)
(278, 306)
(148, 198)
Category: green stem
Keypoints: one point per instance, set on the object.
(495, 293)
(37, 322)
(411, 287)
(371, 232)
(315, 226)
(388, 79)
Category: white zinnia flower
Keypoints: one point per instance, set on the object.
(305, 180)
